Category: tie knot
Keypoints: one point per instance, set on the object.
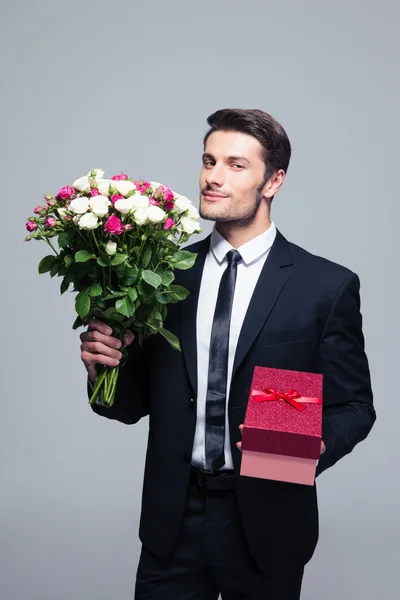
(234, 257)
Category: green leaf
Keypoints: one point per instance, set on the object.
(171, 338)
(146, 257)
(95, 289)
(124, 306)
(68, 260)
(120, 270)
(132, 293)
(82, 304)
(131, 274)
(183, 259)
(83, 255)
(178, 292)
(64, 285)
(163, 297)
(77, 323)
(167, 277)
(118, 259)
(54, 269)
(46, 264)
(63, 240)
(115, 295)
(152, 278)
(102, 262)
(163, 311)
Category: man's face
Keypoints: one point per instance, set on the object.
(231, 177)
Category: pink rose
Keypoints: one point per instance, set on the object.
(37, 210)
(169, 223)
(169, 205)
(115, 198)
(50, 203)
(114, 225)
(50, 222)
(168, 195)
(120, 177)
(47, 197)
(94, 192)
(127, 227)
(142, 188)
(31, 226)
(65, 193)
(154, 202)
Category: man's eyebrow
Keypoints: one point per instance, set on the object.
(229, 158)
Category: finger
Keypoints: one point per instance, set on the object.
(241, 429)
(128, 338)
(92, 373)
(96, 348)
(239, 445)
(323, 447)
(97, 325)
(90, 360)
(108, 340)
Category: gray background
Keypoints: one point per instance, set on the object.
(127, 86)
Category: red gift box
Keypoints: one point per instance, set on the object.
(283, 426)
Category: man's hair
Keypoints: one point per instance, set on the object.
(271, 135)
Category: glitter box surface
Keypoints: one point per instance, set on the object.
(279, 441)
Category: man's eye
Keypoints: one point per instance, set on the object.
(237, 165)
(207, 163)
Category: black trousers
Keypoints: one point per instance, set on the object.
(211, 557)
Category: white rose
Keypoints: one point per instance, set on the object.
(81, 184)
(181, 204)
(111, 248)
(103, 185)
(62, 212)
(125, 205)
(99, 205)
(76, 219)
(155, 214)
(192, 212)
(96, 173)
(140, 201)
(88, 221)
(140, 216)
(79, 205)
(189, 225)
(124, 187)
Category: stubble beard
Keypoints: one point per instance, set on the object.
(228, 216)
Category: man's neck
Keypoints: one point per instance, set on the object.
(237, 236)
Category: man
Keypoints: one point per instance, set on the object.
(255, 299)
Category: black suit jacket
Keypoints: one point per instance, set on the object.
(304, 315)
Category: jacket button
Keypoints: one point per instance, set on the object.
(191, 404)
(186, 457)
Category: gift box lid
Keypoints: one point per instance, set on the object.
(277, 427)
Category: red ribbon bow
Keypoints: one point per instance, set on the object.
(292, 397)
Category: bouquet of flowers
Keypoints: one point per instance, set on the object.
(118, 246)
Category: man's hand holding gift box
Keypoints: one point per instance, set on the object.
(283, 426)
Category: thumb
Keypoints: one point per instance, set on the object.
(128, 338)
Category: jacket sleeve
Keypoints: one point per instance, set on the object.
(132, 395)
(348, 414)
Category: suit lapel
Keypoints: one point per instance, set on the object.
(270, 284)
(191, 280)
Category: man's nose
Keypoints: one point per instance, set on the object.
(215, 176)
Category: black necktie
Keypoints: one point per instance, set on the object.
(218, 367)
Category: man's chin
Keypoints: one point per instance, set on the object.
(215, 216)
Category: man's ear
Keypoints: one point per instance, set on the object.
(274, 183)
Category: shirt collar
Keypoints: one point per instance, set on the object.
(250, 251)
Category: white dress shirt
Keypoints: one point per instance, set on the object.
(254, 254)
